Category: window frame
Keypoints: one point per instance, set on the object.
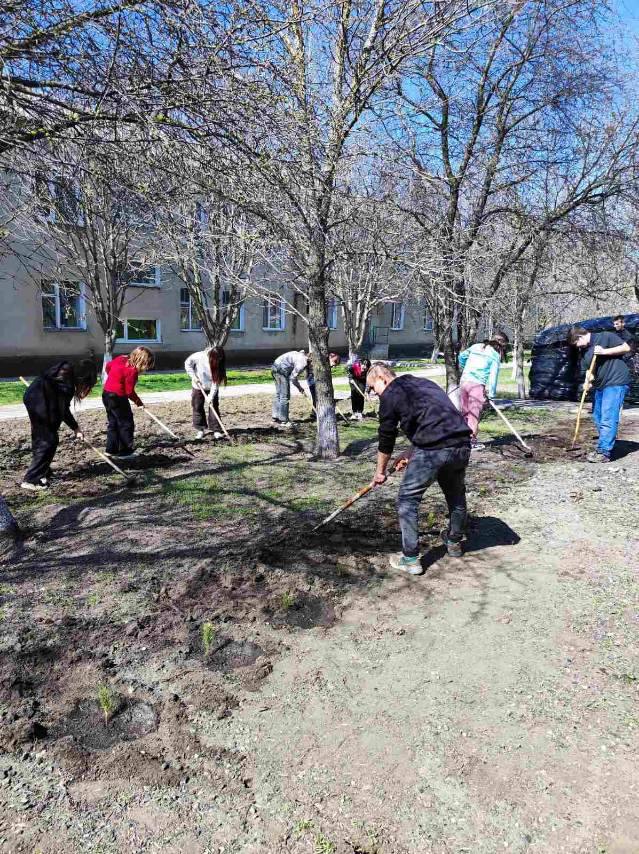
(282, 315)
(189, 305)
(240, 317)
(427, 321)
(157, 277)
(331, 313)
(55, 296)
(402, 316)
(126, 340)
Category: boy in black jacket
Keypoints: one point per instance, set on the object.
(441, 451)
(48, 401)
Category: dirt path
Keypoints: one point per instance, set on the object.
(488, 705)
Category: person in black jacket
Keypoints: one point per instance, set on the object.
(441, 451)
(48, 401)
(619, 322)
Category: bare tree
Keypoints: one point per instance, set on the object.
(292, 122)
(510, 124)
(88, 224)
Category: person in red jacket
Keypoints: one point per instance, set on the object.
(119, 389)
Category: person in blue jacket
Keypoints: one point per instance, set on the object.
(480, 372)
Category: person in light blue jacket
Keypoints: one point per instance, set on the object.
(480, 372)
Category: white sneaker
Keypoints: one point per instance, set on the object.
(218, 435)
(130, 456)
(199, 434)
(34, 487)
(478, 446)
(286, 424)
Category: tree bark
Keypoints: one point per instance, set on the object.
(450, 361)
(327, 442)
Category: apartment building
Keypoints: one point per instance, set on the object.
(40, 321)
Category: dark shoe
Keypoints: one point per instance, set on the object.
(453, 548)
(598, 457)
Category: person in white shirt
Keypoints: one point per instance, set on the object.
(207, 370)
(286, 369)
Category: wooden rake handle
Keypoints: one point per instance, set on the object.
(585, 391)
(208, 401)
(509, 425)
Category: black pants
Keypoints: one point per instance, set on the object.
(44, 443)
(200, 416)
(120, 423)
(357, 396)
(446, 466)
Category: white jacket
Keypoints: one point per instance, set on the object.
(198, 368)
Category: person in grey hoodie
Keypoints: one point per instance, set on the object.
(207, 370)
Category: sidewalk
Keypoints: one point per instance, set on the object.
(340, 384)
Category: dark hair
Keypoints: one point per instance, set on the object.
(618, 317)
(335, 356)
(85, 376)
(499, 342)
(217, 364)
(575, 333)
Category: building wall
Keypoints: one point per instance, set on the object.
(26, 346)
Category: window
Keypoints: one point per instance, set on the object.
(138, 331)
(273, 313)
(189, 321)
(145, 277)
(63, 306)
(331, 313)
(397, 316)
(238, 320)
(428, 321)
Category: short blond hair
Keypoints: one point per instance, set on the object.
(379, 371)
(142, 359)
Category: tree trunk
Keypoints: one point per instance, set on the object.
(327, 442)
(434, 355)
(518, 357)
(109, 341)
(450, 361)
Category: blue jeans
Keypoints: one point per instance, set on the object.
(282, 397)
(447, 466)
(606, 413)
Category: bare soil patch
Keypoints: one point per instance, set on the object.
(341, 707)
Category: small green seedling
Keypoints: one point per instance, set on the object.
(208, 636)
(323, 845)
(287, 600)
(106, 701)
(431, 519)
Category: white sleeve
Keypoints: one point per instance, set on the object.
(190, 365)
(299, 364)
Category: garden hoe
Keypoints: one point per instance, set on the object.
(589, 378)
(167, 429)
(208, 403)
(130, 479)
(528, 451)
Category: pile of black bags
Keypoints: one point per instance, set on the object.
(556, 373)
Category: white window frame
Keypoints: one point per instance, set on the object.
(58, 307)
(183, 304)
(331, 313)
(241, 313)
(127, 340)
(428, 321)
(394, 324)
(157, 277)
(282, 318)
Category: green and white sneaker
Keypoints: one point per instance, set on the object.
(411, 565)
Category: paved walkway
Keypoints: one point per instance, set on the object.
(340, 384)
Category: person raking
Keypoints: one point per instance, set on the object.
(357, 369)
(611, 381)
(286, 370)
(440, 439)
(480, 374)
(119, 389)
(207, 370)
(48, 402)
